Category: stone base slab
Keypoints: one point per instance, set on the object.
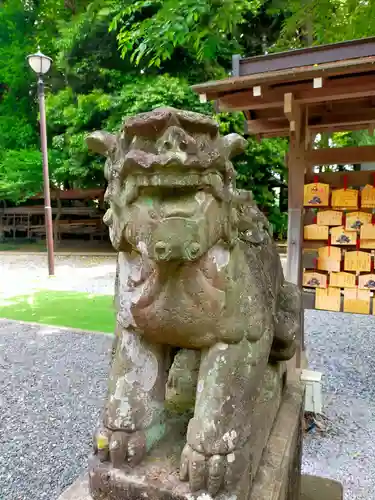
(320, 488)
(312, 488)
(278, 476)
(79, 490)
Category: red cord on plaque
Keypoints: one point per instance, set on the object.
(345, 182)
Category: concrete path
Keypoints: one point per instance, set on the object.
(23, 274)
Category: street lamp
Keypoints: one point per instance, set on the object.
(41, 64)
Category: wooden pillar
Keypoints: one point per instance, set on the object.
(296, 177)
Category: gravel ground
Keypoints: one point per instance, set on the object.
(342, 347)
(52, 385)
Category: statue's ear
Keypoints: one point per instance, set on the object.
(101, 142)
(234, 144)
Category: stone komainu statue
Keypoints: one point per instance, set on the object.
(205, 317)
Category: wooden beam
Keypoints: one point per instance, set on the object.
(335, 89)
(361, 117)
(354, 106)
(341, 128)
(278, 126)
(341, 156)
(339, 179)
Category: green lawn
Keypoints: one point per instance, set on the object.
(70, 309)
(15, 246)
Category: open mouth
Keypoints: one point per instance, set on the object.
(172, 186)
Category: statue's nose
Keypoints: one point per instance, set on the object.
(176, 142)
(174, 145)
(162, 250)
(179, 251)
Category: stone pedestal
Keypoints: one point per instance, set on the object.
(277, 477)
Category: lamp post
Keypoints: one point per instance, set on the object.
(41, 64)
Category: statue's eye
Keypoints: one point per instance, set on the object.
(183, 145)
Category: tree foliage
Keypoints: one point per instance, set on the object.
(324, 21)
(115, 58)
(151, 31)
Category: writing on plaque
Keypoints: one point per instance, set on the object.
(345, 198)
(342, 280)
(368, 197)
(357, 261)
(327, 299)
(329, 259)
(368, 244)
(329, 218)
(368, 232)
(315, 232)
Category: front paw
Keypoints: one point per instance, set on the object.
(119, 447)
(209, 473)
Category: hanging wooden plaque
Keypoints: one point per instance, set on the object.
(368, 232)
(368, 197)
(355, 220)
(345, 198)
(341, 237)
(368, 244)
(342, 280)
(327, 299)
(329, 218)
(357, 301)
(357, 261)
(366, 281)
(315, 232)
(329, 259)
(312, 279)
(316, 195)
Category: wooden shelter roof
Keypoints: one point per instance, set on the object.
(334, 85)
(73, 194)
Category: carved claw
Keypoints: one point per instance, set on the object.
(119, 446)
(202, 472)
